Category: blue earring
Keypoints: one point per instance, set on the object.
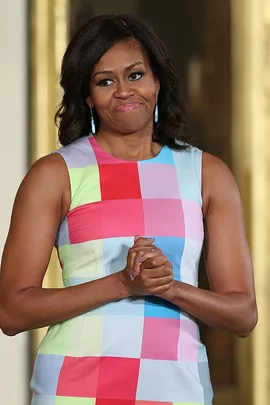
(156, 110)
(93, 127)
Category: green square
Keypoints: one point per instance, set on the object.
(66, 257)
(56, 340)
(85, 186)
(74, 401)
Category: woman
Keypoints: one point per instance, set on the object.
(127, 208)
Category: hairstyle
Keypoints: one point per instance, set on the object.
(88, 45)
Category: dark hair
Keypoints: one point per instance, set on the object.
(90, 43)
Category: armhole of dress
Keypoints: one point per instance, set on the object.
(68, 172)
(197, 160)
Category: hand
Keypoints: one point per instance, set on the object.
(142, 250)
(148, 270)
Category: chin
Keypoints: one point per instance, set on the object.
(128, 129)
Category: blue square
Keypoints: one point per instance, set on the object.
(173, 248)
(132, 306)
(46, 373)
(43, 400)
(62, 236)
(204, 376)
(156, 307)
(165, 157)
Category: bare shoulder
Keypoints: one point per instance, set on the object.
(46, 182)
(52, 166)
(218, 182)
(47, 174)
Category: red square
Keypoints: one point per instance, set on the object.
(119, 181)
(118, 377)
(79, 377)
(115, 401)
(106, 219)
(160, 338)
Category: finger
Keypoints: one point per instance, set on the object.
(158, 282)
(161, 290)
(140, 241)
(141, 256)
(148, 255)
(141, 251)
(157, 272)
(130, 263)
(156, 261)
(144, 249)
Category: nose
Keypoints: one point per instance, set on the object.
(123, 90)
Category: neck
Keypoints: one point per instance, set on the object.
(134, 146)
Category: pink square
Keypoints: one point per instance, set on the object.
(78, 377)
(106, 219)
(164, 217)
(160, 338)
(188, 341)
(193, 220)
(159, 181)
(118, 377)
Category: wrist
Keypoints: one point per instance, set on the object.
(123, 284)
(171, 293)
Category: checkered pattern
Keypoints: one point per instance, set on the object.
(138, 351)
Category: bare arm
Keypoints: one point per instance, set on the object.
(231, 305)
(38, 209)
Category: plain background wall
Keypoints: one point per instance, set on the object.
(13, 165)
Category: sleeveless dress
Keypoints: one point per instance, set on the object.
(140, 350)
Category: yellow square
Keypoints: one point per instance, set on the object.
(82, 260)
(86, 336)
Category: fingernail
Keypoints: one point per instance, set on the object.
(140, 260)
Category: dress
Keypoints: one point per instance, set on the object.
(135, 351)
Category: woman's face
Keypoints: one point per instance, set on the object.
(123, 89)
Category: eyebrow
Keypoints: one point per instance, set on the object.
(110, 72)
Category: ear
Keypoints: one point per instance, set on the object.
(157, 82)
(89, 102)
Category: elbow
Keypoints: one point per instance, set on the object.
(6, 324)
(248, 321)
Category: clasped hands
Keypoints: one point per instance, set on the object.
(148, 270)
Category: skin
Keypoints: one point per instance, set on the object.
(43, 200)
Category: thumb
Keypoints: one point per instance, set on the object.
(139, 240)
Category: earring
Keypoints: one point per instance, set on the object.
(93, 127)
(156, 110)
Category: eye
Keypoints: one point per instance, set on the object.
(136, 76)
(105, 82)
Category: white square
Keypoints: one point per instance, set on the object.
(122, 336)
(169, 381)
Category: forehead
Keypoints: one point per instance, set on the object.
(122, 54)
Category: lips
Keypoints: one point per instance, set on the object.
(127, 107)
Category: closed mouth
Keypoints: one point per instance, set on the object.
(127, 107)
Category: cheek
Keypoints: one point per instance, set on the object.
(100, 98)
(149, 92)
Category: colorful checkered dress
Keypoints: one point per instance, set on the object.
(135, 351)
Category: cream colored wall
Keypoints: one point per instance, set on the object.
(13, 163)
